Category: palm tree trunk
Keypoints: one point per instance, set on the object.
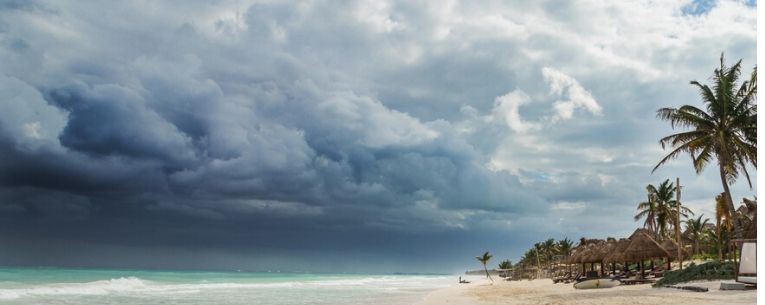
(487, 272)
(729, 199)
(719, 240)
(698, 246)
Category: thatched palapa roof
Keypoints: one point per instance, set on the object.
(574, 257)
(616, 252)
(642, 246)
(602, 250)
(591, 255)
(751, 231)
(671, 247)
(582, 257)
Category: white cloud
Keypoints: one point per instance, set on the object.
(506, 109)
(573, 95)
(567, 205)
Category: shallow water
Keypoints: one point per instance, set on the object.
(94, 286)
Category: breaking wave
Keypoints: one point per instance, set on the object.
(135, 285)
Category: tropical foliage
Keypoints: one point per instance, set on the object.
(505, 264)
(726, 130)
(703, 238)
(695, 228)
(660, 210)
(707, 271)
(542, 256)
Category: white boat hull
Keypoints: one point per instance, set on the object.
(597, 283)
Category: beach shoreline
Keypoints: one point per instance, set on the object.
(543, 291)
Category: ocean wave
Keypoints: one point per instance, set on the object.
(125, 285)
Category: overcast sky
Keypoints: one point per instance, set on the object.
(342, 136)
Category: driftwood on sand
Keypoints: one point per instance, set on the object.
(691, 288)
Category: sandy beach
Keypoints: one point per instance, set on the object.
(543, 291)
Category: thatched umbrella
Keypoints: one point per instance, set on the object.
(642, 247)
(671, 246)
(590, 256)
(584, 251)
(603, 249)
(580, 252)
(573, 258)
(751, 231)
(616, 253)
(581, 256)
(593, 254)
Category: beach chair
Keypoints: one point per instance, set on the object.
(560, 278)
(656, 272)
(747, 268)
(563, 279)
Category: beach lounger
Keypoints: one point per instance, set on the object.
(747, 268)
(566, 278)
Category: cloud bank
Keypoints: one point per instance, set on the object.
(266, 135)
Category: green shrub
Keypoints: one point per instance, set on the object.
(704, 256)
(714, 270)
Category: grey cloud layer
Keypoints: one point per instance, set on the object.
(272, 127)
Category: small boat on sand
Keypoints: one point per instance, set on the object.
(597, 283)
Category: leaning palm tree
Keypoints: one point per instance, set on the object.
(484, 259)
(696, 228)
(726, 131)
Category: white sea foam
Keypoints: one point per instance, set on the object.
(134, 285)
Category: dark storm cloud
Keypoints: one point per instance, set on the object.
(277, 134)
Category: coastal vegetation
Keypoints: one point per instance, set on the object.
(505, 264)
(660, 210)
(725, 131)
(722, 130)
(701, 240)
(714, 270)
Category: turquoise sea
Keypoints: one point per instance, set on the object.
(97, 286)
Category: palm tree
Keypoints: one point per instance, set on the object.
(550, 248)
(484, 259)
(696, 228)
(538, 247)
(565, 246)
(505, 264)
(528, 258)
(719, 241)
(726, 131)
(649, 210)
(666, 206)
(722, 221)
